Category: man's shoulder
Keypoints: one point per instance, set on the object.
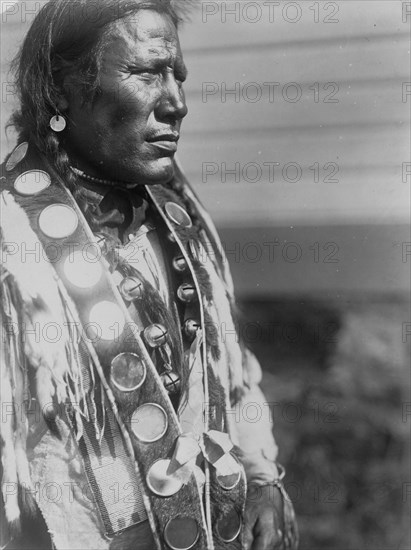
(23, 174)
(13, 166)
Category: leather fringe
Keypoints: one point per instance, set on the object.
(31, 303)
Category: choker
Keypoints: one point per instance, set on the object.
(101, 181)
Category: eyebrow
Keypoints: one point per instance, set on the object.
(162, 61)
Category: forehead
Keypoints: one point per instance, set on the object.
(146, 32)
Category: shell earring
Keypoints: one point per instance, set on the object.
(57, 122)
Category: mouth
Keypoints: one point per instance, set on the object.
(165, 142)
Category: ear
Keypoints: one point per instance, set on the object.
(69, 91)
(62, 104)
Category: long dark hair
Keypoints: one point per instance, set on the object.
(67, 36)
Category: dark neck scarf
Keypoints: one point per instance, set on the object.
(116, 211)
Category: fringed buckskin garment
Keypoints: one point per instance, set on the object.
(123, 381)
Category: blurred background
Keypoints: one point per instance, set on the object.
(298, 142)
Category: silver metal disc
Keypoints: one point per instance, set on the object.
(82, 272)
(155, 335)
(58, 221)
(181, 533)
(131, 288)
(32, 182)
(127, 372)
(229, 482)
(159, 482)
(149, 422)
(229, 526)
(178, 215)
(106, 321)
(187, 293)
(17, 156)
(57, 123)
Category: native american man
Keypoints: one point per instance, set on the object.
(121, 381)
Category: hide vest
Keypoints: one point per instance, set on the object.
(131, 374)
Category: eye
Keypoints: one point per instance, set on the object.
(145, 73)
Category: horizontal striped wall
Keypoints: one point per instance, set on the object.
(314, 135)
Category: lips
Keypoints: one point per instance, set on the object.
(165, 142)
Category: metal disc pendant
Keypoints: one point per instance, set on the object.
(58, 221)
(131, 289)
(57, 123)
(106, 321)
(80, 272)
(127, 372)
(179, 264)
(187, 293)
(178, 215)
(229, 526)
(190, 328)
(171, 382)
(17, 156)
(181, 533)
(149, 422)
(159, 482)
(155, 335)
(32, 182)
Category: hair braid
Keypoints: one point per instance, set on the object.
(59, 159)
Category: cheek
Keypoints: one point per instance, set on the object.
(132, 104)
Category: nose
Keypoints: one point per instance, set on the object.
(172, 103)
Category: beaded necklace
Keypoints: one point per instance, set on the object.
(101, 181)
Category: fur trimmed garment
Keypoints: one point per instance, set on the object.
(53, 370)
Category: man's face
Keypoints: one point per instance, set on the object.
(131, 129)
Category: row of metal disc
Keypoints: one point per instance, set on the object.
(149, 422)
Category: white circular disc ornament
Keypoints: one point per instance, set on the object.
(181, 533)
(229, 526)
(127, 372)
(106, 321)
(229, 482)
(159, 482)
(149, 422)
(17, 156)
(58, 221)
(178, 215)
(32, 182)
(57, 123)
(81, 272)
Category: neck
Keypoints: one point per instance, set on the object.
(83, 169)
(101, 181)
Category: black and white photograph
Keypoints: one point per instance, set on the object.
(205, 275)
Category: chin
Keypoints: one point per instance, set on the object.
(161, 173)
(158, 172)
